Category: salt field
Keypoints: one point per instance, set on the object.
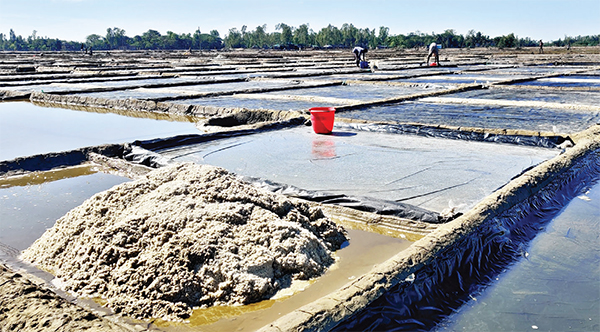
(457, 197)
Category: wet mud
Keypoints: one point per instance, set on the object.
(27, 306)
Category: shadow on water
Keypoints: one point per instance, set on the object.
(342, 134)
(467, 267)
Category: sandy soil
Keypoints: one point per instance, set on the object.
(185, 236)
(26, 306)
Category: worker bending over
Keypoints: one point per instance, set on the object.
(359, 55)
(433, 50)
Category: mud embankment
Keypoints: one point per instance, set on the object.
(242, 115)
(27, 306)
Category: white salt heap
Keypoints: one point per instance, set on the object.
(184, 236)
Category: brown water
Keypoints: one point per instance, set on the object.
(31, 204)
(363, 251)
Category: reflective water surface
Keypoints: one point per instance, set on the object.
(27, 129)
(555, 288)
(429, 172)
(481, 116)
(31, 205)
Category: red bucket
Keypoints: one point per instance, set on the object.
(322, 119)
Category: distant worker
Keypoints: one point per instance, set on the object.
(541, 47)
(433, 50)
(359, 55)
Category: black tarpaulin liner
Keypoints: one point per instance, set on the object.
(48, 161)
(367, 204)
(183, 140)
(139, 155)
(430, 131)
(469, 265)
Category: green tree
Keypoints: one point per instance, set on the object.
(233, 39)
(329, 35)
(258, 37)
(286, 34)
(350, 35)
(476, 39)
(196, 43)
(151, 39)
(211, 41)
(245, 37)
(370, 38)
(384, 33)
(171, 40)
(449, 39)
(506, 41)
(95, 41)
(115, 38)
(303, 36)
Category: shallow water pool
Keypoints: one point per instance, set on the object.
(358, 92)
(565, 97)
(31, 204)
(557, 286)
(566, 81)
(65, 85)
(27, 129)
(480, 116)
(166, 92)
(250, 103)
(429, 172)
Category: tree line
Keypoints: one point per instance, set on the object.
(284, 37)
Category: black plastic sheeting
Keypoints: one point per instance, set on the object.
(152, 159)
(430, 131)
(138, 155)
(48, 161)
(382, 207)
(465, 268)
(160, 144)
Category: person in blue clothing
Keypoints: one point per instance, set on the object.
(359, 54)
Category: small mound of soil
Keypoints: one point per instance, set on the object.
(184, 236)
(26, 306)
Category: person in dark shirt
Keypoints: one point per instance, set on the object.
(359, 55)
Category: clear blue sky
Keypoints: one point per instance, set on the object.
(74, 20)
